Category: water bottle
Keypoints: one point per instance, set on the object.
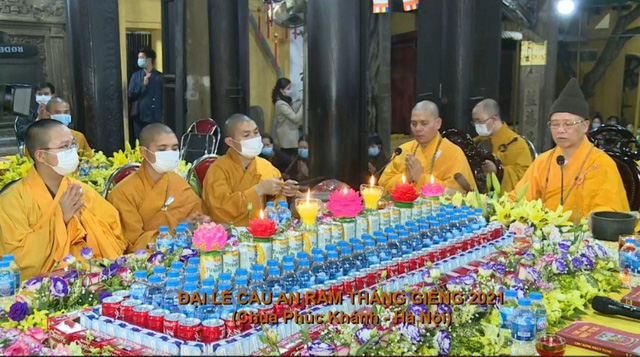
(288, 259)
(192, 279)
(187, 231)
(155, 291)
(242, 273)
(225, 278)
(258, 268)
(174, 275)
(272, 263)
(393, 246)
(208, 310)
(273, 283)
(540, 312)
(318, 270)
(181, 240)
(305, 278)
(383, 250)
(189, 309)
(479, 217)
(160, 271)
(343, 244)
(388, 230)
(241, 286)
(7, 283)
(284, 214)
(138, 289)
(222, 287)
(194, 261)
(359, 257)
(414, 239)
(523, 330)
(177, 265)
(371, 253)
(635, 267)
(304, 256)
(405, 243)
(270, 212)
(626, 253)
(208, 284)
(164, 241)
(333, 266)
(348, 264)
(192, 270)
(377, 235)
(14, 268)
(170, 298)
(508, 308)
(257, 285)
(290, 282)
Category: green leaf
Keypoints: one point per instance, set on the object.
(522, 192)
(496, 183)
(489, 186)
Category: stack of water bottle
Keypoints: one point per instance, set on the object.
(281, 214)
(9, 279)
(526, 319)
(629, 260)
(182, 239)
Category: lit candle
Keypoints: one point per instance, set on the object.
(404, 179)
(371, 194)
(432, 189)
(308, 209)
(262, 227)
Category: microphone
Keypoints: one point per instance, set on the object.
(396, 152)
(609, 306)
(462, 181)
(560, 160)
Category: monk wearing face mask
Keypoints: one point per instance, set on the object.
(240, 177)
(155, 195)
(48, 215)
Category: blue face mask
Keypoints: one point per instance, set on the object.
(374, 151)
(267, 151)
(142, 63)
(63, 118)
(303, 153)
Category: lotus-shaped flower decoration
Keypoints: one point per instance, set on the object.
(345, 203)
(210, 237)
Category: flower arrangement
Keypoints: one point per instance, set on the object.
(345, 203)
(14, 342)
(210, 237)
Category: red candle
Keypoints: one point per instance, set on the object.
(262, 227)
(432, 189)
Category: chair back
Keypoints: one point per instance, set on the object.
(476, 156)
(199, 169)
(118, 175)
(202, 138)
(532, 148)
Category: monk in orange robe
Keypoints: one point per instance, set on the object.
(591, 179)
(59, 109)
(429, 155)
(240, 178)
(155, 195)
(48, 215)
(503, 142)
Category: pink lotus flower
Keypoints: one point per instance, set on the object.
(518, 229)
(37, 334)
(345, 203)
(210, 237)
(19, 348)
(432, 190)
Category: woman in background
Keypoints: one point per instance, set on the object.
(286, 120)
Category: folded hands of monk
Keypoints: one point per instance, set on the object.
(71, 202)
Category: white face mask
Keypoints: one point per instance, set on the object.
(43, 99)
(482, 129)
(67, 162)
(166, 161)
(251, 147)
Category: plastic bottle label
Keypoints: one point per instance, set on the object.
(541, 324)
(506, 313)
(523, 331)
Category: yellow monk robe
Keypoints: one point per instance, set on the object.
(598, 186)
(448, 161)
(140, 202)
(228, 188)
(513, 152)
(32, 225)
(83, 146)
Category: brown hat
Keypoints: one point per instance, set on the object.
(571, 100)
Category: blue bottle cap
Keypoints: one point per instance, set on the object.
(283, 204)
(329, 247)
(303, 263)
(180, 229)
(320, 258)
(159, 269)
(343, 243)
(393, 236)
(382, 240)
(270, 204)
(378, 234)
(272, 263)
(403, 233)
(173, 274)
(208, 282)
(177, 265)
(8, 257)
(369, 243)
(288, 259)
(524, 302)
(414, 230)
(358, 247)
(347, 251)
(511, 293)
(191, 269)
(257, 267)
(331, 255)
(288, 267)
(389, 230)
(224, 286)
(225, 276)
(163, 229)
(304, 255)
(274, 271)
(399, 227)
(354, 241)
(140, 274)
(173, 284)
(535, 296)
(194, 261)
(257, 276)
(191, 278)
(241, 280)
(155, 279)
(241, 272)
(190, 287)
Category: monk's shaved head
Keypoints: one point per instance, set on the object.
(38, 134)
(54, 102)
(232, 124)
(489, 106)
(152, 131)
(427, 106)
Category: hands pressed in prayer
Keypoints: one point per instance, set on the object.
(413, 168)
(488, 166)
(372, 169)
(290, 188)
(42, 109)
(71, 202)
(198, 217)
(270, 187)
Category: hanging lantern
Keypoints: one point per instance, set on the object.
(410, 5)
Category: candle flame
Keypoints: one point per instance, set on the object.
(432, 179)
(308, 195)
(344, 190)
(404, 179)
(261, 214)
(373, 180)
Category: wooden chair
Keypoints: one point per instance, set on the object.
(620, 145)
(202, 138)
(118, 175)
(200, 168)
(475, 155)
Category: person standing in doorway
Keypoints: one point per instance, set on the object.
(286, 120)
(145, 92)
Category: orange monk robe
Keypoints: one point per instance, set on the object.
(228, 188)
(513, 152)
(448, 161)
(598, 187)
(83, 145)
(32, 226)
(140, 202)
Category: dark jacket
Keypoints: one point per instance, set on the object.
(280, 160)
(378, 161)
(22, 123)
(146, 101)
